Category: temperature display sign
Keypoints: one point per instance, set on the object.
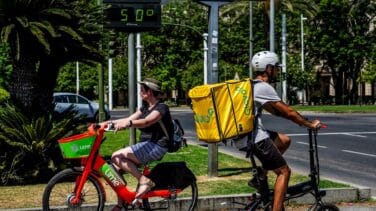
(133, 15)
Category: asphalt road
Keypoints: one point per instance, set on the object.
(347, 147)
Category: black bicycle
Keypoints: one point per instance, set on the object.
(263, 200)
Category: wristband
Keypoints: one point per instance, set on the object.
(130, 123)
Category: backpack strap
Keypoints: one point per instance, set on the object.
(163, 128)
(252, 135)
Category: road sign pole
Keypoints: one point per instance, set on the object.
(131, 85)
(213, 67)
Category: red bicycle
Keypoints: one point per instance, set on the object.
(79, 187)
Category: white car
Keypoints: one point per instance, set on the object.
(83, 106)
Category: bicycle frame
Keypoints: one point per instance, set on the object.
(94, 164)
(265, 197)
(312, 185)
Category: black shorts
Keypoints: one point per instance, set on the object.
(269, 155)
(273, 135)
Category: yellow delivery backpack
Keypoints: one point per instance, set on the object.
(223, 110)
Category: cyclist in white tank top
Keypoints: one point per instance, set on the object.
(269, 152)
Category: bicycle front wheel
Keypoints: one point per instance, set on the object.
(185, 200)
(59, 192)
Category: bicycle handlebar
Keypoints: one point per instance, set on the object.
(321, 125)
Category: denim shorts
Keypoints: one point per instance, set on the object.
(148, 151)
(269, 155)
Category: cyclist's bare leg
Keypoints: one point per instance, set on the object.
(123, 159)
(126, 160)
(280, 187)
(282, 142)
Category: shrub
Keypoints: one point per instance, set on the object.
(4, 96)
(28, 146)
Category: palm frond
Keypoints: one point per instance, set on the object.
(40, 36)
(56, 13)
(71, 32)
(23, 21)
(47, 26)
(33, 142)
(6, 31)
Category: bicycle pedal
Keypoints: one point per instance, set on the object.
(136, 202)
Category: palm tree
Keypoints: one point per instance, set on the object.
(43, 35)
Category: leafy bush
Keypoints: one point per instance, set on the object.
(28, 146)
(4, 96)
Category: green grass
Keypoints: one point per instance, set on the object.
(338, 108)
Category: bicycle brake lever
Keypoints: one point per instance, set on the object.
(321, 126)
(110, 127)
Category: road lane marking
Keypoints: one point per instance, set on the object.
(320, 146)
(350, 134)
(359, 153)
(359, 134)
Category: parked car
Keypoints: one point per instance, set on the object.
(83, 106)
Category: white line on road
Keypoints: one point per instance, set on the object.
(320, 146)
(336, 133)
(359, 153)
(350, 134)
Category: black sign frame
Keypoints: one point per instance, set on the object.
(132, 15)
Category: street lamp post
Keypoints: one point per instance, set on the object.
(271, 29)
(205, 36)
(77, 77)
(284, 63)
(302, 19)
(250, 38)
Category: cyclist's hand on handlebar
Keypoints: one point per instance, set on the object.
(119, 124)
(108, 126)
(316, 124)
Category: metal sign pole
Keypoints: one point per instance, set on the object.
(131, 85)
(213, 67)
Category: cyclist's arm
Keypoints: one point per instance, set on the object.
(279, 108)
(125, 122)
(150, 119)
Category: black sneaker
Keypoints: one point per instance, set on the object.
(258, 184)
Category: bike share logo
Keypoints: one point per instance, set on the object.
(204, 119)
(75, 148)
(243, 91)
(109, 173)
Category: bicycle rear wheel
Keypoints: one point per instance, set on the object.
(60, 190)
(185, 200)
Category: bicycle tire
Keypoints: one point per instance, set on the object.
(326, 207)
(59, 189)
(187, 200)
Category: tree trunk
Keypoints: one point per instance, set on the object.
(46, 81)
(22, 85)
(338, 80)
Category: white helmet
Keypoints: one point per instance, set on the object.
(263, 58)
